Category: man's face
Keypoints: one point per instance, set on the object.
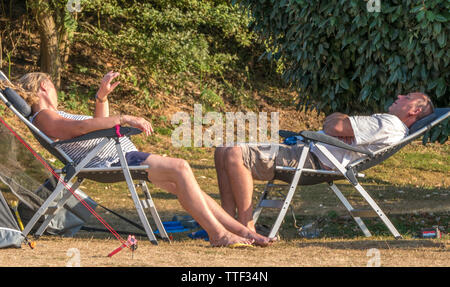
(405, 105)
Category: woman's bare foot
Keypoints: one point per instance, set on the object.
(251, 225)
(259, 239)
(228, 239)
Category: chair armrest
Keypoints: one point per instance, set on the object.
(326, 139)
(106, 133)
(287, 134)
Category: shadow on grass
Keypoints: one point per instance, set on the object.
(379, 244)
(202, 167)
(95, 229)
(373, 181)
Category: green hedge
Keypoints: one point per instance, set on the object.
(169, 36)
(205, 44)
(341, 57)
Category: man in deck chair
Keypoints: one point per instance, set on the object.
(237, 166)
(171, 174)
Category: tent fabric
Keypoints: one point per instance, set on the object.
(6, 218)
(31, 183)
(10, 235)
(10, 238)
(69, 220)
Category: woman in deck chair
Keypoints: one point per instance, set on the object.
(171, 174)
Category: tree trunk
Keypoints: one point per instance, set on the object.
(50, 54)
(64, 34)
(1, 52)
(64, 47)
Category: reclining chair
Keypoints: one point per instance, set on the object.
(72, 171)
(302, 176)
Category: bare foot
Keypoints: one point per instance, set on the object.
(229, 239)
(251, 225)
(259, 239)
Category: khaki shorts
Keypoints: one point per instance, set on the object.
(261, 159)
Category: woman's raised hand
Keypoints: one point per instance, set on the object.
(106, 87)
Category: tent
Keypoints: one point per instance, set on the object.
(10, 234)
(24, 178)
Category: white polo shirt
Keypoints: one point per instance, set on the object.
(371, 133)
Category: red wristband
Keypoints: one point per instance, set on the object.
(118, 131)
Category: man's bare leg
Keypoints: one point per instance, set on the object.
(175, 176)
(226, 195)
(241, 182)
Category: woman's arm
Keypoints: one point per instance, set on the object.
(101, 98)
(60, 128)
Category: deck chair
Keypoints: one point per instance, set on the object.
(74, 174)
(299, 175)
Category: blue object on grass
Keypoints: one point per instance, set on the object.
(292, 140)
(187, 221)
(173, 227)
(201, 234)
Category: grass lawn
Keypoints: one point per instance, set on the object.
(412, 187)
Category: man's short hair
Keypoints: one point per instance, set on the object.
(425, 104)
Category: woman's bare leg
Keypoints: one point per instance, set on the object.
(175, 176)
(234, 226)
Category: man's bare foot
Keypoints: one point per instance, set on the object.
(228, 239)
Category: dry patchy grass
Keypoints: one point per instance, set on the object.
(53, 252)
(411, 185)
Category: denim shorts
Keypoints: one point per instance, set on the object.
(134, 158)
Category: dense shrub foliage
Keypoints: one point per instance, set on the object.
(206, 43)
(341, 57)
(201, 37)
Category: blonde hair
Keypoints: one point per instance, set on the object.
(30, 97)
(32, 81)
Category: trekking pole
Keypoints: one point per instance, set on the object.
(14, 205)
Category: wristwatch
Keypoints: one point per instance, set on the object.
(97, 99)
